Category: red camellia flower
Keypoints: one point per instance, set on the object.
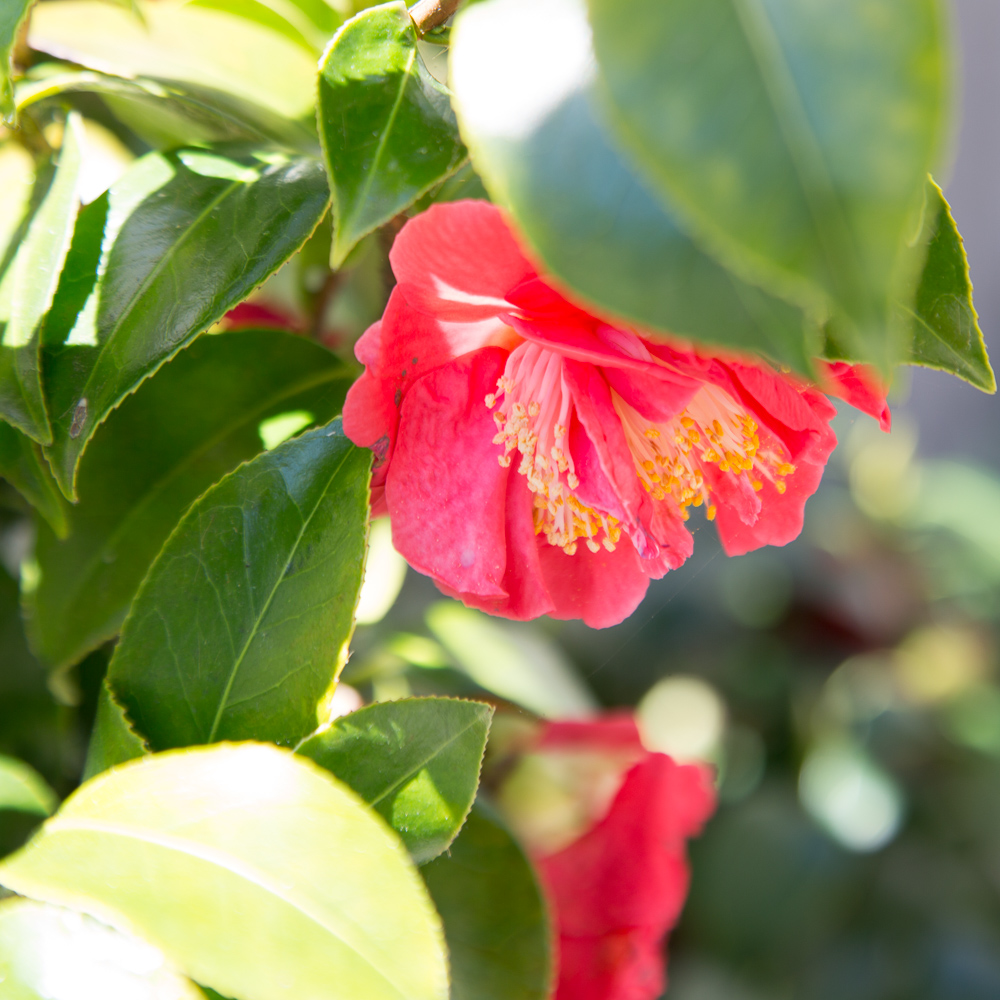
(537, 459)
(617, 889)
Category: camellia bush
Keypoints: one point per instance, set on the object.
(535, 285)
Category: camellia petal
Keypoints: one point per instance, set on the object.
(617, 887)
(538, 459)
(444, 455)
(458, 265)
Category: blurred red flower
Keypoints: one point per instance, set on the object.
(535, 459)
(617, 890)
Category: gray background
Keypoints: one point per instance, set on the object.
(953, 418)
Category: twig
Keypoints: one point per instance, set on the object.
(428, 14)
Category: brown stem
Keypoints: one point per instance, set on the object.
(428, 14)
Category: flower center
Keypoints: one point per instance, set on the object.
(670, 457)
(533, 419)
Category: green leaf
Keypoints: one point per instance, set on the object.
(186, 236)
(165, 113)
(495, 920)
(513, 662)
(113, 740)
(24, 467)
(540, 142)
(415, 761)
(793, 138)
(182, 431)
(22, 788)
(17, 175)
(257, 873)
(282, 16)
(946, 332)
(50, 953)
(243, 622)
(386, 124)
(181, 42)
(12, 14)
(28, 288)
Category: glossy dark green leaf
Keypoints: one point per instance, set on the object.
(12, 14)
(184, 43)
(539, 140)
(24, 467)
(946, 332)
(243, 622)
(255, 871)
(184, 429)
(793, 138)
(386, 124)
(22, 788)
(186, 236)
(51, 953)
(495, 920)
(415, 761)
(27, 290)
(113, 740)
(166, 113)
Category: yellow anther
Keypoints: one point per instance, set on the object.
(570, 548)
(491, 401)
(710, 512)
(504, 461)
(757, 485)
(687, 422)
(652, 433)
(593, 546)
(781, 486)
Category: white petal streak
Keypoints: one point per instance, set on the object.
(452, 294)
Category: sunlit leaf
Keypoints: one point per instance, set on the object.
(494, 915)
(27, 290)
(166, 113)
(946, 332)
(257, 873)
(282, 16)
(794, 138)
(184, 429)
(185, 237)
(386, 124)
(12, 14)
(183, 42)
(17, 174)
(24, 789)
(243, 621)
(416, 762)
(539, 139)
(50, 953)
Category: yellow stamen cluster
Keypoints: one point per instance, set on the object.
(670, 457)
(536, 429)
(533, 411)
